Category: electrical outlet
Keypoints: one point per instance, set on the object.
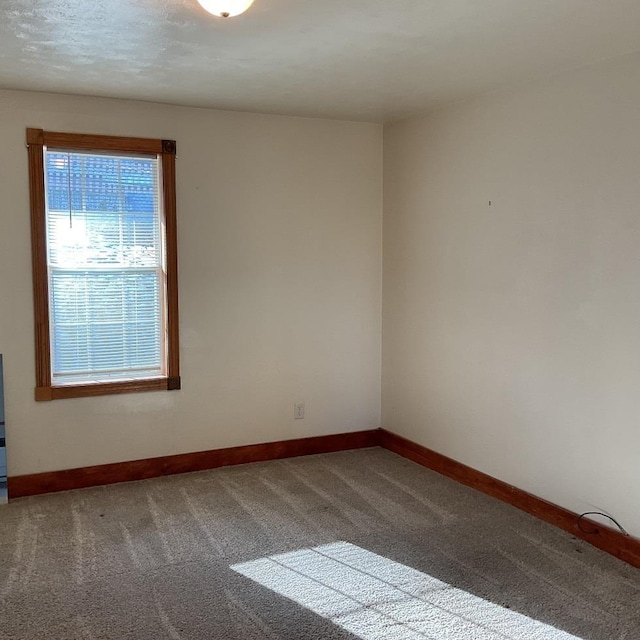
(298, 410)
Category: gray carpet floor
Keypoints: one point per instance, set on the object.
(361, 544)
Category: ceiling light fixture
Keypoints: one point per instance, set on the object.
(225, 8)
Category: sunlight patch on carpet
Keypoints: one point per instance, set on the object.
(376, 598)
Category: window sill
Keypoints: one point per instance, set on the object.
(44, 394)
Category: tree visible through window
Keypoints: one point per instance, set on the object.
(103, 231)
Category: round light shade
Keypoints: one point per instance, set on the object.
(226, 8)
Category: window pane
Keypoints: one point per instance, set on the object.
(105, 322)
(105, 266)
(100, 182)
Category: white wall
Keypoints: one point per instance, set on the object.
(279, 226)
(511, 332)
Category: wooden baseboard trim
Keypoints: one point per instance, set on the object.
(38, 483)
(625, 548)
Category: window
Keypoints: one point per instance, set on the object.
(103, 230)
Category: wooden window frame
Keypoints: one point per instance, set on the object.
(165, 150)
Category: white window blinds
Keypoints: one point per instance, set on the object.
(106, 267)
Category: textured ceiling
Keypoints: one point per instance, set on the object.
(369, 60)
